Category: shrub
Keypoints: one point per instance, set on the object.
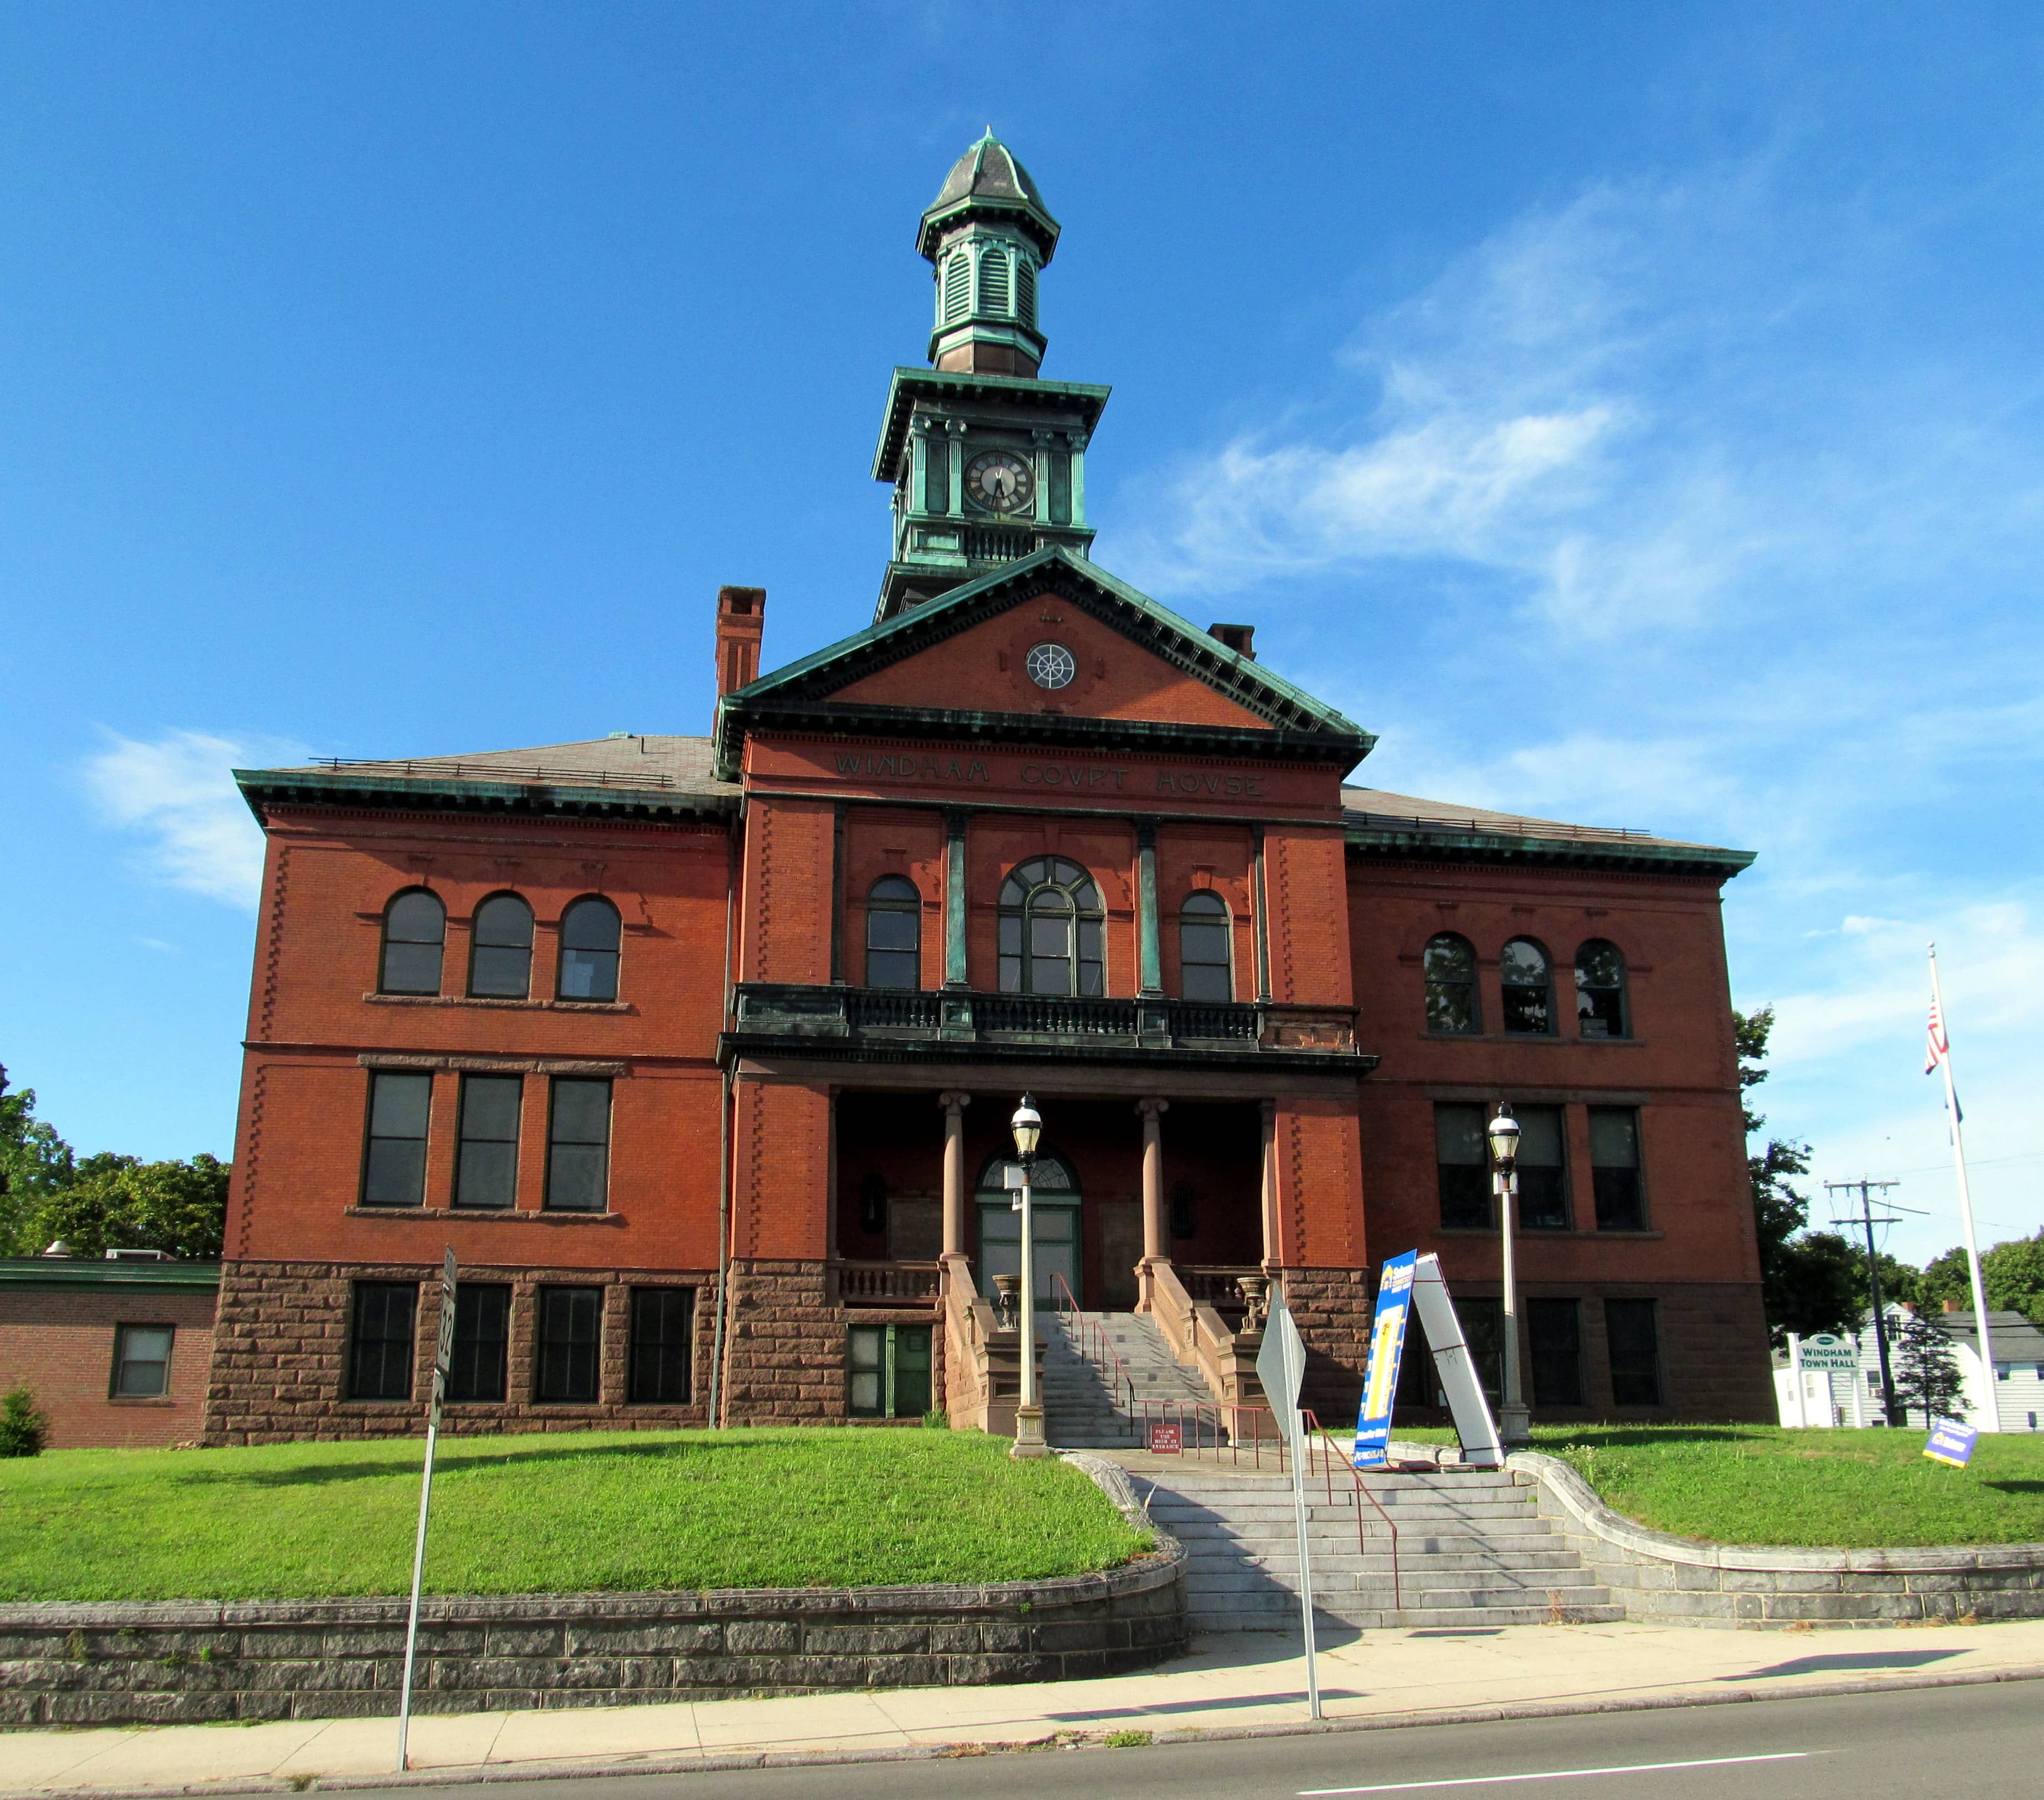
(22, 1429)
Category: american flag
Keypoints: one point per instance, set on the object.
(1939, 1047)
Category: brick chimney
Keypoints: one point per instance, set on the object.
(741, 617)
(1238, 638)
(1952, 1305)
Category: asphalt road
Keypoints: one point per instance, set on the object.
(1982, 1742)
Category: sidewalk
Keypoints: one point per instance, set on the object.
(1252, 1681)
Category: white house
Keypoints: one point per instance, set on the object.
(1815, 1398)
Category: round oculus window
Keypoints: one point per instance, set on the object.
(1051, 665)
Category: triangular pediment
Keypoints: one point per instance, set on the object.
(959, 664)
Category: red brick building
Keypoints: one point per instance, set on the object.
(700, 1052)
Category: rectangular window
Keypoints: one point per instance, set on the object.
(1483, 1330)
(1463, 1163)
(393, 1171)
(1558, 1352)
(486, 1166)
(141, 1361)
(890, 1371)
(936, 475)
(662, 1324)
(1621, 1198)
(1543, 1173)
(578, 1146)
(482, 1340)
(379, 1355)
(570, 1335)
(1635, 1352)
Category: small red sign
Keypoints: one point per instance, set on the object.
(1167, 1439)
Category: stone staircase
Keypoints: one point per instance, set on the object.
(1080, 1412)
(1474, 1553)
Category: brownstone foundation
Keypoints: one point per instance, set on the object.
(280, 1356)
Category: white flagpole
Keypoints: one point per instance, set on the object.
(1993, 1421)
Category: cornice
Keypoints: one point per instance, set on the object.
(362, 791)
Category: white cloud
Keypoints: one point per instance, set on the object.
(176, 791)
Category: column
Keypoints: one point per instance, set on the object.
(1150, 974)
(1262, 917)
(1156, 1232)
(1271, 1257)
(837, 899)
(954, 1104)
(954, 900)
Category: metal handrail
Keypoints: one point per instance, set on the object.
(1330, 1455)
(1089, 1332)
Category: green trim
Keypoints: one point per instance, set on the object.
(342, 787)
(802, 688)
(908, 384)
(62, 1272)
(1640, 855)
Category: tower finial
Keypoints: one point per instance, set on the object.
(989, 234)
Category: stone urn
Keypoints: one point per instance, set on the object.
(1256, 1298)
(1008, 1299)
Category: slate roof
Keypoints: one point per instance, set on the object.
(1404, 824)
(990, 177)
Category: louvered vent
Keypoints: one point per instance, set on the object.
(994, 283)
(957, 288)
(1025, 293)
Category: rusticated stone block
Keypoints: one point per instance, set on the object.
(747, 1637)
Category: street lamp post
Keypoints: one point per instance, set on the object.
(1027, 1125)
(1514, 1423)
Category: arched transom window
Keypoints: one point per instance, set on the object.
(1601, 989)
(414, 932)
(589, 950)
(500, 959)
(1451, 971)
(1206, 966)
(893, 933)
(1052, 930)
(1528, 984)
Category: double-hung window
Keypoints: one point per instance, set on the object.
(889, 1367)
(380, 1347)
(569, 1341)
(661, 1321)
(578, 1146)
(1543, 1172)
(486, 1170)
(141, 1361)
(482, 1341)
(1630, 1328)
(393, 1165)
(1621, 1197)
(1462, 1162)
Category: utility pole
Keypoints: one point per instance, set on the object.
(1865, 1217)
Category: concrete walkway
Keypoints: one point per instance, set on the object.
(1249, 1682)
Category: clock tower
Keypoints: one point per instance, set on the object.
(986, 459)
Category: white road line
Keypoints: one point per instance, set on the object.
(1551, 1775)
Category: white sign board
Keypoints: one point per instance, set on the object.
(1825, 1351)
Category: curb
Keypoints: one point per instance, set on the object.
(565, 1771)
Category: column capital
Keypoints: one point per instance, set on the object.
(1153, 1107)
(951, 1099)
(1269, 1108)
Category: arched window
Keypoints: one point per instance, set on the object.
(1529, 988)
(958, 287)
(1206, 959)
(1052, 928)
(1025, 292)
(994, 283)
(500, 960)
(589, 951)
(893, 933)
(414, 931)
(1450, 969)
(1600, 990)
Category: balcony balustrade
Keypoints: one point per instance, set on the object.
(946, 1017)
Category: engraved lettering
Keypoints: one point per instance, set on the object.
(977, 773)
(847, 763)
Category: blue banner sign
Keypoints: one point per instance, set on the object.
(1950, 1442)
(1387, 1347)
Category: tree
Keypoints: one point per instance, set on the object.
(1927, 1369)
(1901, 1283)
(120, 1202)
(2012, 1273)
(35, 1163)
(1808, 1280)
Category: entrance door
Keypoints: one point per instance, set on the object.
(1054, 1210)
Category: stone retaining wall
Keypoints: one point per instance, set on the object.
(175, 1662)
(1685, 1581)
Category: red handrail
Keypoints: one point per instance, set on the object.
(1090, 1334)
(1330, 1455)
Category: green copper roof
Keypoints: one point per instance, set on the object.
(988, 181)
(78, 1271)
(1299, 724)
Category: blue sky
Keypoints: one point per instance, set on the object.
(1631, 413)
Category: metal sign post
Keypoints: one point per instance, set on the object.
(1281, 1366)
(443, 1360)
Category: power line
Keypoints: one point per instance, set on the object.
(1864, 1217)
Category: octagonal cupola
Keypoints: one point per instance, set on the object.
(987, 235)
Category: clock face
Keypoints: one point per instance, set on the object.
(1001, 481)
(1051, 665)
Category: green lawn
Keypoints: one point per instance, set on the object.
(572, 1513)
(1759, 1484)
